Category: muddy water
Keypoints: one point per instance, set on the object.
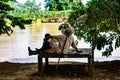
(14, 48)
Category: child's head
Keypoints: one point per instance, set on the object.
(47, 35)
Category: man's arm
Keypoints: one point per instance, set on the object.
(74, 46)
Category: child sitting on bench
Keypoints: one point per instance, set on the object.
(48, 46)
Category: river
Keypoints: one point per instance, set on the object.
(14, 48)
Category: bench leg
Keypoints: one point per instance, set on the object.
(90, 66)
(40, 65)
(46, 61)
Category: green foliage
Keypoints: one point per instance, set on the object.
(5, 14)
(28, 10)
(45, 16)
(99, 18)
(49, 14)
(58, 5)
(117, 43)
(4, 9)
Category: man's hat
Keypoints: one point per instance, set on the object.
(67, 31)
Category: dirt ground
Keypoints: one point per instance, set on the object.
(65, 71)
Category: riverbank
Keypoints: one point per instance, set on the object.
(28, 71)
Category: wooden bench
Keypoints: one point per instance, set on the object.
(86, 53)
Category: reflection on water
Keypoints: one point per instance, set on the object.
(15, 47)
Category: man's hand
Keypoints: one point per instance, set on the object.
(78, 50)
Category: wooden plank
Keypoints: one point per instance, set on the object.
(65, 55)
(86, 52)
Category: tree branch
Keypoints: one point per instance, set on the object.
(115, 17)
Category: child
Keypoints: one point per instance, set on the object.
(46, 45)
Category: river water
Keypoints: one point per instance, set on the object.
(14, 48)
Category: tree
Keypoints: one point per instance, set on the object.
(5, 15)
(58, 5)
(33, 9)
(100, 19)
(28, 10)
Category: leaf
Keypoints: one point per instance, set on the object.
(117, 42)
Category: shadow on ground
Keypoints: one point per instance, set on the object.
(66, 70)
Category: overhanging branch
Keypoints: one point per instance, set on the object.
(115, 17)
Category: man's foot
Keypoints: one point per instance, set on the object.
(30, 51)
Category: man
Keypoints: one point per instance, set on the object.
(65, 38)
